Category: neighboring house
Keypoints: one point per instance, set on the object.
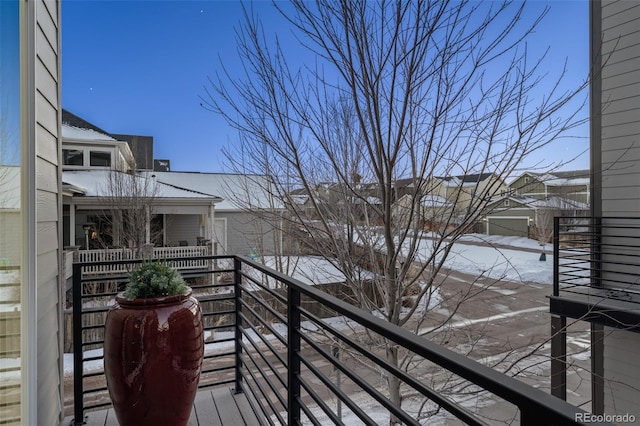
(523, 216)
(31, 357)
(607, 291)
(248, 217)
(182, 212)
(572, 185)
(471, 190)
(430, 212)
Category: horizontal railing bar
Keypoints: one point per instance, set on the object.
(264, 358)
(100, 405)
(95, 390)
(343, 396)
(264, 395)
(218, 355)
(262, 321)
(93, 327)
(216, 384)
(93, 342)
(264, 340)
(448, 405)
(309, 414)
(205, 299)
(271, 310)
(269, 290)
(255, 397)
(94, 374)
(217, 369)
(498, 383)
(266, 378)
(218, 313)
(219, 327)
(318, 400)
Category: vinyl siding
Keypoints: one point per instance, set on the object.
(620, 179)
(246, 231)
(183, 227)
(48, 211)
(622, 384)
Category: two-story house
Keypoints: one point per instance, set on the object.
(103, 175)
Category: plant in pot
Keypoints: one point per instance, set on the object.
(153, 348)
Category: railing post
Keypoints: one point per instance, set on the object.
(559, 356)
(556, 256)
(237, 289)
(293, 355)
(78, 356)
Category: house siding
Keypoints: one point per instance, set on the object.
(182, 227)
(47, 119)
(616, 169)
(246, 231)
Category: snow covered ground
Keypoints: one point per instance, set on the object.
(491, 261)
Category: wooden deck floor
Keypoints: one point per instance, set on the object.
(212, 407)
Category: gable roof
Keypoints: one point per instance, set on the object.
(93, 183)
(561, 178)
(238, 191)
(558, 203)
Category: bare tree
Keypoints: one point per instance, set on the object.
(128, 200)
(398, 90)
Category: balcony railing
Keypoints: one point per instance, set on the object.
(298, 355)
(186, 253)
(597, 270)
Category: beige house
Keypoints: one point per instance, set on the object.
(430, 212)
(31, 361)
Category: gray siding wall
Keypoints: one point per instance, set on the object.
(182, 227)
(619, 173)
(48, 210)
(246, 231)
(621, 108)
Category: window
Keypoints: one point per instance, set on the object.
(506, 203)
(100, 158)
(72, 157)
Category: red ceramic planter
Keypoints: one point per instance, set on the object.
(153, 351)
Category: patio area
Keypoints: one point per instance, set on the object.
(293, 350)
(215, 407)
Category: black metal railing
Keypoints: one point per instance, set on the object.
(597, 270)
(302, 355)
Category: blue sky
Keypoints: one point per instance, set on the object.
(139, 67)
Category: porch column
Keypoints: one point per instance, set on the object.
(72, 223)
(147, 224)
(210, 225)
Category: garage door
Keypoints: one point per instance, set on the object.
(513, 226)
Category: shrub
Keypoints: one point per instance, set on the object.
(154, 279)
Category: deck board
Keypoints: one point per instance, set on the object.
(212, 407)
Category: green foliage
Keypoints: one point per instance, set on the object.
(154, 279)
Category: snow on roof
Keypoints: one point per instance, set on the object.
(310, 270)
(94, 184)
(566, 178)
(559, 203)
(299, 198)
(237, 191)
(71, 132)
(9, 187)
(431, 200)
